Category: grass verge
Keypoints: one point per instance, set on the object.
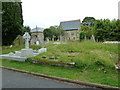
(91, 74)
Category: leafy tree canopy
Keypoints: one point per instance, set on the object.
(26, 29)
(53, 31)
(88, 21)
(103, 30)
(12, 21)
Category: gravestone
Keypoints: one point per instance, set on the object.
(93, 38)
(27, 52)
(27, 37)
(53, 39)
(58, 39)
(85, 37)
(23, 54)
(18, 41)
(47, 39)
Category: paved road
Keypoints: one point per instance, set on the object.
(12, 79)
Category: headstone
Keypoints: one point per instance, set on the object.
(47, 39)
(18, 41)
(27, 37)
(11, 46)
(42, 50)
(53, 39)
(85, 38)
(21, 40)
(58, 39)
(23, 54)
(93, 38)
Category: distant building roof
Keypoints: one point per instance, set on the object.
(70, 25)
(37, 29)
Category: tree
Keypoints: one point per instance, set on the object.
(12, 21)
(82, 35)
(48, 33)
(26, 29)
(53, 31)
(88, 31)
(103, 29)
(106, 30)
(88, 21)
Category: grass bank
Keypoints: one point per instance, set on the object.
(94, 61)
(84, 53)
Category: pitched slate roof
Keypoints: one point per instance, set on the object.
(70, 25)
(37, 29)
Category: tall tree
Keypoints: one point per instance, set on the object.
(26, 29)
(12, 21)
(53, 31)
(88, 21)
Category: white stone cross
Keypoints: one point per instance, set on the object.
(27, 37)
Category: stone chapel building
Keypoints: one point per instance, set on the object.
(37, 36)
(71, 29)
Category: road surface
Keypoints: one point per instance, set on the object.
(12, 79)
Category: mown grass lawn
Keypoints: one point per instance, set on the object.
(94, 62)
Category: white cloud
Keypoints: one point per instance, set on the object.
(45, 13)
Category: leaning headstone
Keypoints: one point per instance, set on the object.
(18, 41)
(21, 40)
(52, 39)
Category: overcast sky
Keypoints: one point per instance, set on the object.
(46, 13)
